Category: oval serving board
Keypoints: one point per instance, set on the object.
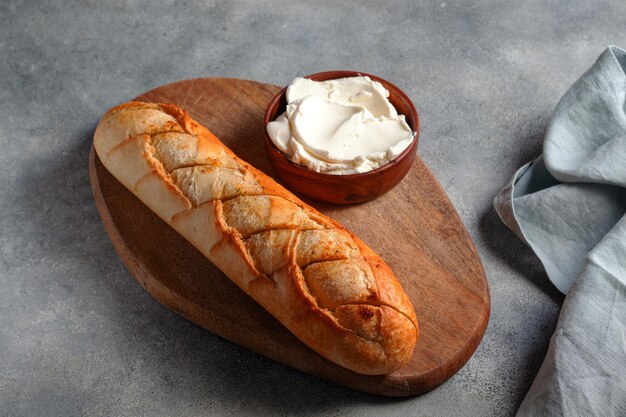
(414, 227)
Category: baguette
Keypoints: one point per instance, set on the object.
(320, 281)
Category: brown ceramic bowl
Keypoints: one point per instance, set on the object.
(343, 189)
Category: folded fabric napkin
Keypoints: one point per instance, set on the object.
(568, 205)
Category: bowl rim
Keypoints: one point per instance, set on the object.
(345, 74)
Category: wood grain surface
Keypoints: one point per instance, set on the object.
(414, 227)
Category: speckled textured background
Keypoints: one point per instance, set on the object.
(78, 336)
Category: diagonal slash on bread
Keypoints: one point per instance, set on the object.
(320, 281)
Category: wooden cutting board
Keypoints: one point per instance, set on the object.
(414, 227)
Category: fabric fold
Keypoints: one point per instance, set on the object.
(568, 205)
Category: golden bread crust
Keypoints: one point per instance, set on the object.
(320, 281)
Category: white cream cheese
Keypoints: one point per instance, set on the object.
(342, 126)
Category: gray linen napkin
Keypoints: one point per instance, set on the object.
(569, 206)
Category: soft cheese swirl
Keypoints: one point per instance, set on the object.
(342, 126)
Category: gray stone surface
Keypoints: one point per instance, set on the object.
(78, 336)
